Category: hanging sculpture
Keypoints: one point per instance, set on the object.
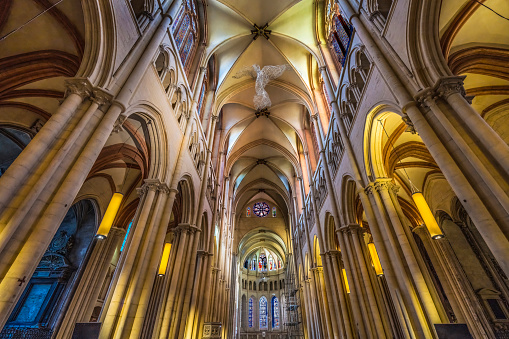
(262, 76)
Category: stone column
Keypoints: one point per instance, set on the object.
(362, 316)
(19, 170)
(85, 297)
(451, 88)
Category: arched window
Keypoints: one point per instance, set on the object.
(185, 32)
(262, 263)
(248, 212)
(271, 263)
(263, 313)
(275, 312)
(339, 38)
(273, 212)
(253, 263)
(250, 313)
(245, 264)
(202, 95)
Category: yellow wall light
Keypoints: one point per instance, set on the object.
(427, 216)
(376, 260)
(347, 287)
(109, 216)
(164, 259)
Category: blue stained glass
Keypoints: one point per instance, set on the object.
(200, 102)
(182, 30)
(177, 21)
(337, 49)
(186, 50)
(263, 313)
(275, 312)
(126, 235)
(250, 316)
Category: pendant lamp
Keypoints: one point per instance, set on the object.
(347, 287)
(109, 216)
(164, 260)
(376, 260)
(427, 216)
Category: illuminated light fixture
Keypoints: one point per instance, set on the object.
(109, 216)
(420, 202)
(427, 216)
(347, 287)
(376, 260)
(164, 260)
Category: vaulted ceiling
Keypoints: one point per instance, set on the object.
(475, 43)
(263, 153)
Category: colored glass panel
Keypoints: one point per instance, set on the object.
(261, 209)
(177, 21)
(337, 50)
(250, 315)
(263, 313)
(275, 312)
(248, 212)
(186, 50)
(200, 102)
(181, 33)
(273, 212)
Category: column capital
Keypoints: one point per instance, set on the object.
(352, 228)
(322, 69)
(101, 97)
(203, 69)
(382, 184)
(421, 231)
(188, 228)
(447, 86)
(80, 86)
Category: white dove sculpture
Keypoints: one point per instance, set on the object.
(262, 76)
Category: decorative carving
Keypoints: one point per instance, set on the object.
(101, 97)
(450, 85)
(261, 31)
(79, 86)
(118, 126)
(36, 127)
(409, 125)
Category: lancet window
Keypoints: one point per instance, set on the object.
(185, 32)
(262, 263)
(275, 312)
(250, 312)
(263, 313)
(339, 38)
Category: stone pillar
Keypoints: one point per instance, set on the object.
(129, 296)
(362, 316)
(85, 297)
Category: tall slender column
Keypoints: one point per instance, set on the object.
(362, 316)
(85, 297)
(452, 90)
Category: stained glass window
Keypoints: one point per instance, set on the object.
(262, 263)
(185, 31)
(263, 313)
(248, 212)
(181, 33)
(250, 313)
(273, 212)
(340, 38)
(261, 209)
(275, 312)
(200, 101)
(186, 50)
(253, 264)
(271, 263)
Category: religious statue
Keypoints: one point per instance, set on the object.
(262, 77)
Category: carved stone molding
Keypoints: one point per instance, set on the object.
(383, 184)
(80, 86)
(118, 126)
(450, 85)
(410, 126)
